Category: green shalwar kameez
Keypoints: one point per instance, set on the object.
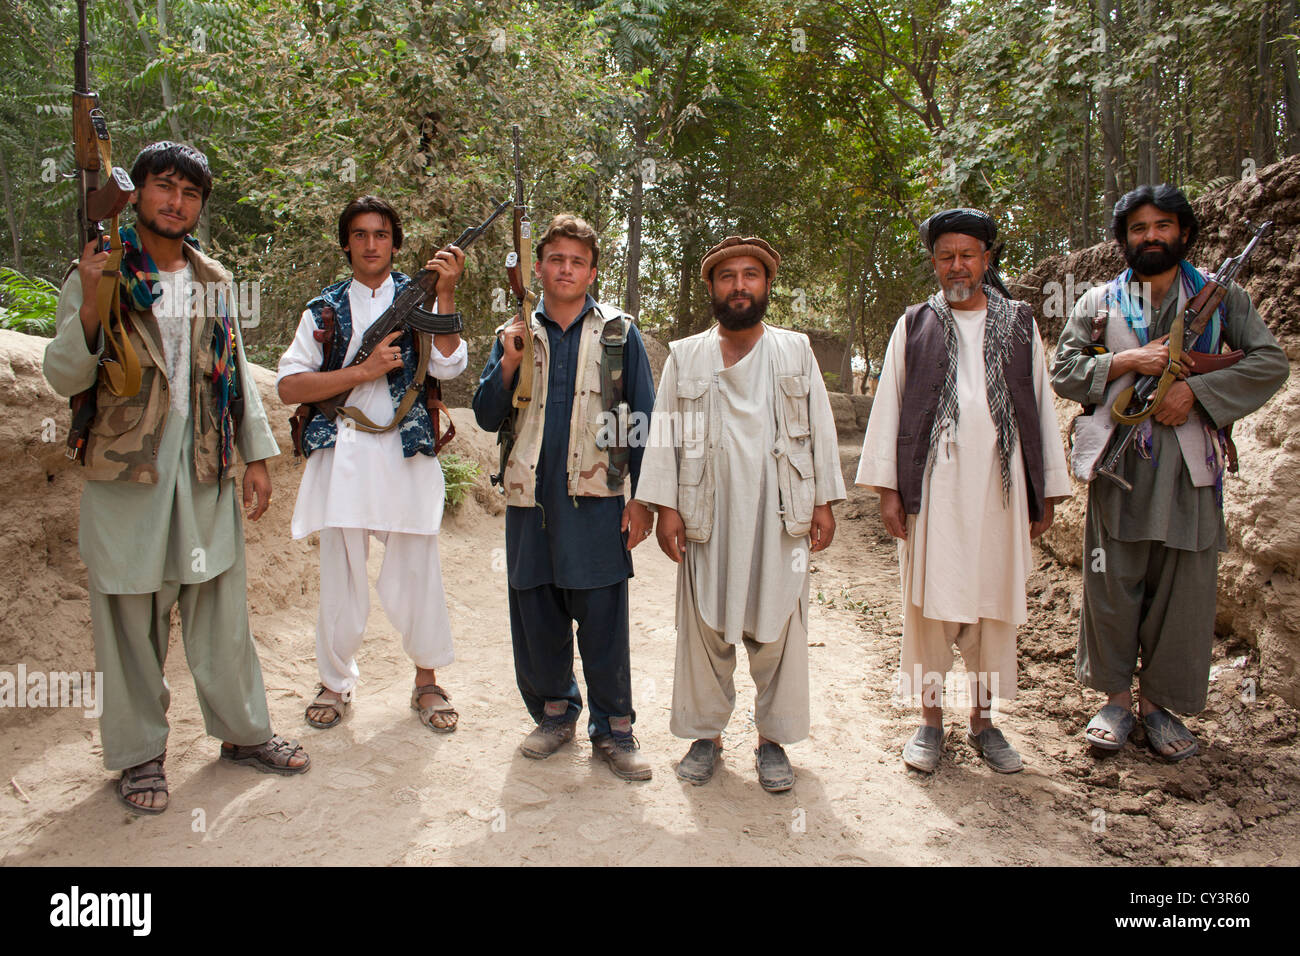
(148, 547)
(1150, 558)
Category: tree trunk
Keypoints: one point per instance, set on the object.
(1291, 84)
(1263, 148)
(14, 237)
(1087, 173)
(846, 362)
(1112, 135)
(632, 298)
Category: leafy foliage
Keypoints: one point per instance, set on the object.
(27, 304)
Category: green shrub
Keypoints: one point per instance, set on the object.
(458, 473)
(27, 304)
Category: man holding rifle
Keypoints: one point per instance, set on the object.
(1150, 558)
(566, 486)
(160, 521)
(365, 479)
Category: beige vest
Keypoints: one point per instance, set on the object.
(701, 428)
(587, 463)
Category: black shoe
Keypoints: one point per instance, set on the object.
(774, 772)
(697, 766)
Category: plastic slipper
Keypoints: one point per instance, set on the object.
(1163, 728)
(1114, 719)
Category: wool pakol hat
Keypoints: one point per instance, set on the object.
(736, 246)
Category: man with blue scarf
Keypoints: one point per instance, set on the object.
(160, 514)
(1150, 555)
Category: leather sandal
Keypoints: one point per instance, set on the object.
(270, 757)
(338, 706)
(448, 712)
(144, 778)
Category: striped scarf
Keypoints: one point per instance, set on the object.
(141, 287)
(1001, 332)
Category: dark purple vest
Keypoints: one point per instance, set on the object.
(926, 366)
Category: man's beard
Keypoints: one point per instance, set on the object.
(1154, 257)
(960, 291)
(739, 319)
(167, 232)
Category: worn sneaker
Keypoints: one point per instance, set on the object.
(547, 737)
(697, 766)
(623, 754)
(774, 772)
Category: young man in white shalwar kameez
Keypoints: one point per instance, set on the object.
(742, 465)
(964, 449)
(358, 484)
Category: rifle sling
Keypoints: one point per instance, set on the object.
(360, 419)
(1119, 410)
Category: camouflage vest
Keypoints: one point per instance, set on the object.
(416, 428)
(588, 463)
(126, 432)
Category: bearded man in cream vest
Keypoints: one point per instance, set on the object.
(742, 466)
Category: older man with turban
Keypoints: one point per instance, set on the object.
(964, 451)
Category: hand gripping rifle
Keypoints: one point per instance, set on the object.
(519, 272)
(96, 202)
(409, 314)
(1136, 404)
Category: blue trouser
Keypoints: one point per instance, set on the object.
(541, 628)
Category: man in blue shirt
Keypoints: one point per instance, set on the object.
(566, 549)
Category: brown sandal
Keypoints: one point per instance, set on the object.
(140, 779)
(270, 757)
(427, 713)
(337, 705)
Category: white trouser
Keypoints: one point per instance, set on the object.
(409, 586)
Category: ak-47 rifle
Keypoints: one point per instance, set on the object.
(519, 272)
(407, 313)
(1136, 404)
(96, 202)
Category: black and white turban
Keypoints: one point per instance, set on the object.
(970, 222)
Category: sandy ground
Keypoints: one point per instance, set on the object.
(383, 789)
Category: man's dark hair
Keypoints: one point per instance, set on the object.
(361, 206)
(1166, 198)
(168, 157)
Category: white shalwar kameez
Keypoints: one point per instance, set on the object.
(967, 554)
(363, 486)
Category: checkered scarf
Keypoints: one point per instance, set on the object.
(1001, 332)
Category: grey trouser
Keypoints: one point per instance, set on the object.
(131, 632)
(1146, 604)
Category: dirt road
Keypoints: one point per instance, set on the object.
(385, 790)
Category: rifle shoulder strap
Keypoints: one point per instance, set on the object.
(425, 348)
(613, 343)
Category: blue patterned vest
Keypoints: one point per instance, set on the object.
(416, 428)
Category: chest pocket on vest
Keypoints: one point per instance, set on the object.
(115, 415)
(794, 396)
(694, 500)
(693, 408)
